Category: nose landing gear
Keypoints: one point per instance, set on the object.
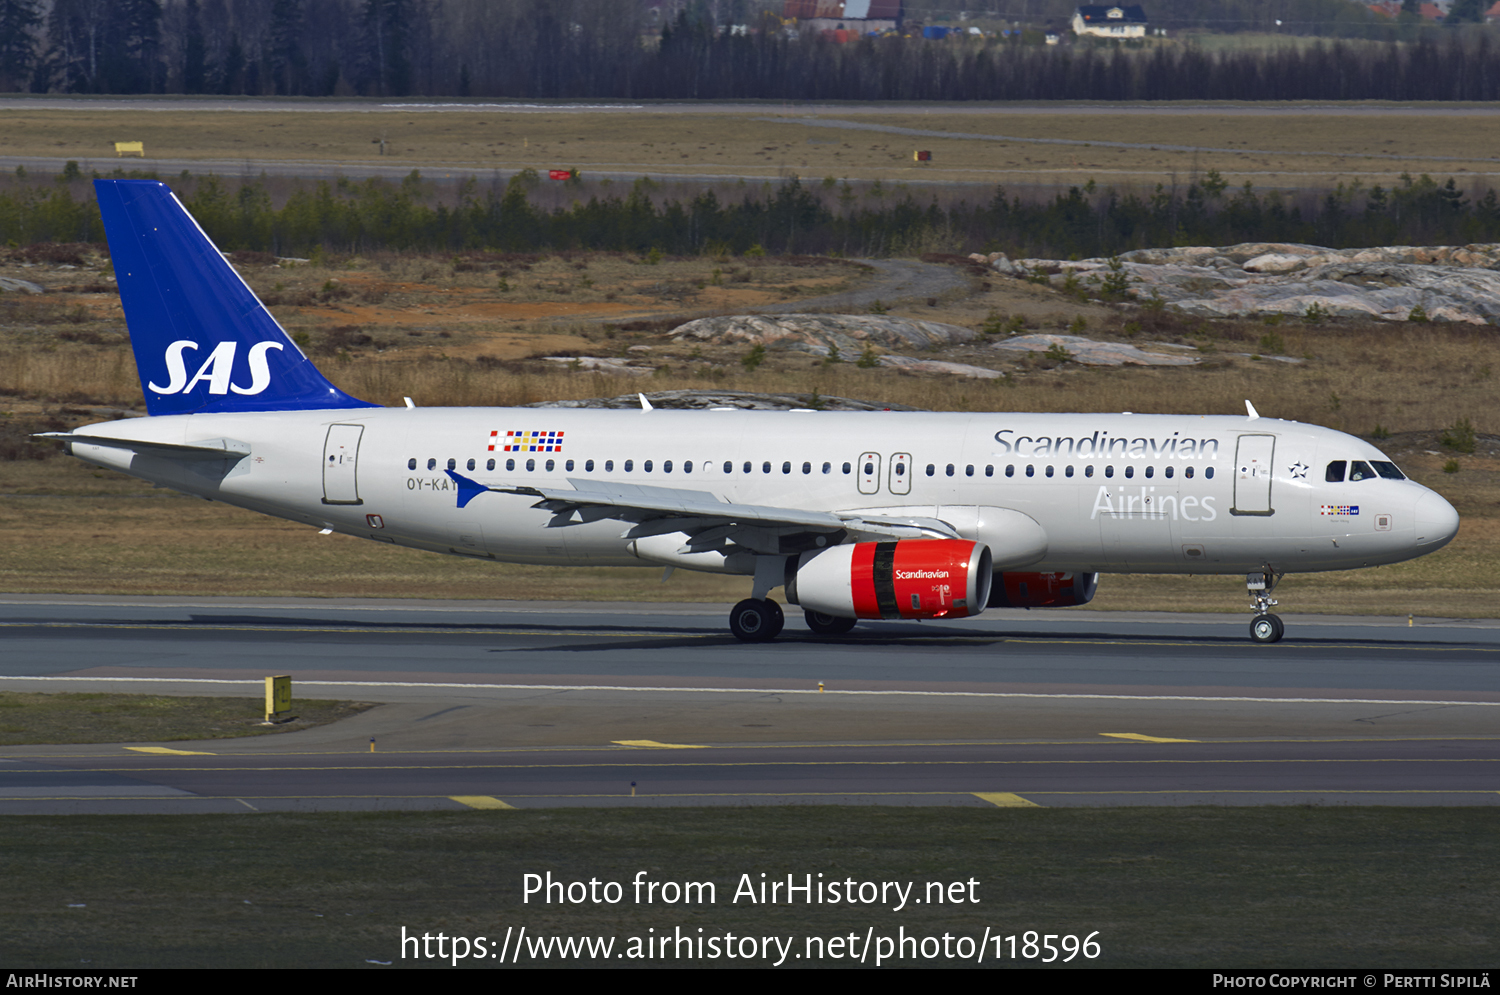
(1264, 627)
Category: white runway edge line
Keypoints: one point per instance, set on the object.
(259, 682)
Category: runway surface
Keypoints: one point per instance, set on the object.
(518, 705)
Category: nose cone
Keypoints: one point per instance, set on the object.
(1436, 522)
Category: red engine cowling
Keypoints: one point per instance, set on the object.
(908, 578)
(1057, 590)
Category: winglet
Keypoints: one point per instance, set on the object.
(1250, 410)
(468, 489)
(645, 404)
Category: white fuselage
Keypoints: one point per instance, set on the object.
(1112, 492)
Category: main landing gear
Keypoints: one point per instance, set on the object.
(756, 620)
(759, 620)
(1264, 627)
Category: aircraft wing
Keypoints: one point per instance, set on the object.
(707, 521)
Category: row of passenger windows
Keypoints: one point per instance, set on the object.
(869, 469)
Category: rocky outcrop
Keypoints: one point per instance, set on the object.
(701, 400)
(819, 333)
(1076, 349)
(1391, 283)
(910, 364)
(24, 286)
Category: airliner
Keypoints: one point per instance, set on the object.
(855, 515)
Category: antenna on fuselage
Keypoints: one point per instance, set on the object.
(1250, 410)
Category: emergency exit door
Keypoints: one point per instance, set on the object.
(341, 464)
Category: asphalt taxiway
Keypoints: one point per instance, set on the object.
(498, 705)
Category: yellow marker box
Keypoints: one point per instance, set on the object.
(278, 696)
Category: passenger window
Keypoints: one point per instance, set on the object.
(666, 466)
(786, 467)
(453, 464)
(470, 464)
(1335, 472)
(629, 465)
(900, 468)
(1129, 472)
(807, 468)
(609, 466)
(1209, 473)
(568, 466)
(747, 467)
(989, 471)
(687, 465)
(1069, 471)
(1358, 470)
(645, 466)
(432, 464)
(550, 465)
(1188, 472)
(765, 467)
(1030, 470)
(1109, 471)
(1049, 471)
(969, 470)
(1010, 470)
(728, 467)
(1169, 473)
(510, 464)
(530, 465)
(489, 464)
(1150, 470)
(950, 469)
(589, 466)
(827, 467)
(1088, 471)
(411, 464)
(847, 468)
(931, 469)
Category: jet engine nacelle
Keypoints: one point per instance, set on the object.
(907, 578)
(1032, 590)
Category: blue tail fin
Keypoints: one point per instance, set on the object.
(188, 310)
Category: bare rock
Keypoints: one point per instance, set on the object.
(12, 285)
(1092, 353)
(704, 400)
(910, 365)
(850, 334)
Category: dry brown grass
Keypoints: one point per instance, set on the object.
(758, 141)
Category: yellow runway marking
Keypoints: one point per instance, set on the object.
(480, 801)
(1005, 799)
(170, 752)
(654, 745)
(1141, 738)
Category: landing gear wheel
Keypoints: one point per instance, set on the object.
(827, 625)
(778, 618)
(1266, 629)
(756, 621)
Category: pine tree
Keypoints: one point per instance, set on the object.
(19, 20)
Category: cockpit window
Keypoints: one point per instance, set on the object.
(1335, 474)
(1360, 470)
(1387, 470)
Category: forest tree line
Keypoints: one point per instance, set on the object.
(524, 214)
(616, 49)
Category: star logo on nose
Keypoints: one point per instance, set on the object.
(1298, 469)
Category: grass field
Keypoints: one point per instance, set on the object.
(1269, 887)
(1278, 146)
(27, 717)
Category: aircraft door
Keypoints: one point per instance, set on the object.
(900, 482)
(1252, 475)
(869, 473)
(340, 456)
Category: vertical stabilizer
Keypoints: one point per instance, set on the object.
(203, 342)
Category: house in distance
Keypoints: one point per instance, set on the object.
(1110, 22)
